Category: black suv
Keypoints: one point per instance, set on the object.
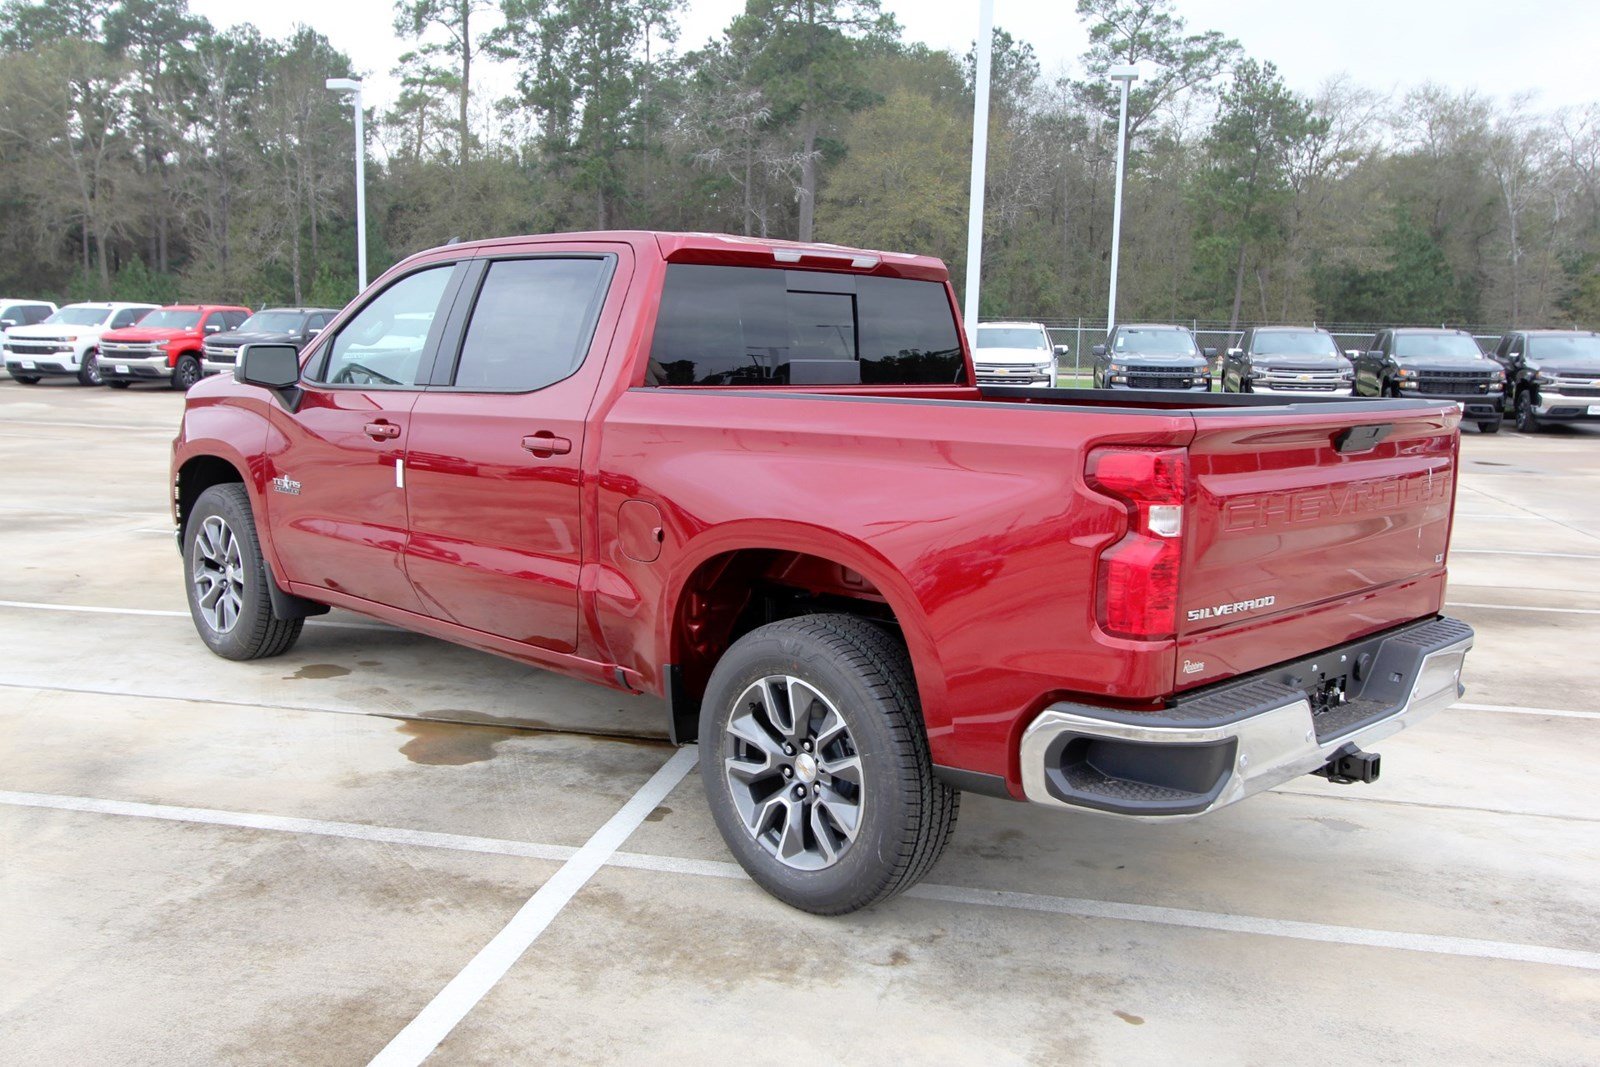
(1150, 356)
(1286, 359)
(275, 326)
(1551, 376)
(1438, 364)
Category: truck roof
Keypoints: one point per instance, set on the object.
(1014, 323)
(1557, 333)
(1150, 326)
(1426, 329)
(1281, 329)
(726, 249)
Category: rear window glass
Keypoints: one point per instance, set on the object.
(770, 326)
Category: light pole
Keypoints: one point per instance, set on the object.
(980, 159)
(353, 87)
(1127, 75)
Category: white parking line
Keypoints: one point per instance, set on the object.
(645, 801)
(284, 824)
(1512, 709)
(1517, 552)
(29, 605)
(1523, 607)
(423, 1034)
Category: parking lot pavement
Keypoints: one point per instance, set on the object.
(288, 861)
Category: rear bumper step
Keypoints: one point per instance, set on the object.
(1220, 745)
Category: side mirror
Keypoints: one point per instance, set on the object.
(213, 327)
(1062, 350)
(7, 322)
(1209, 352)
(1098, 350)
(313, 332)
(1375, 353)
(1235, 351)
(269, 366)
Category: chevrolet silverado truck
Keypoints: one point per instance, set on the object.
(1442, 364)
(286, 326)
(1152, 356)
(66, 344)
(1551, 376)
(166, 344)
(1294, 360)
(756, 479)
(1015, 353)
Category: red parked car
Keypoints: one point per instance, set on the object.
(754, 478)
(166, 345)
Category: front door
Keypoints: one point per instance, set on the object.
(336, 502)
(495, 455)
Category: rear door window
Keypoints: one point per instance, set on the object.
(770, 326)
(531, 323)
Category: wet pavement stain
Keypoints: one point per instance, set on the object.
(369, 663)
(661, 812)
(1344, 826)
(318, 670)
(1131, 1020)
(440, 744)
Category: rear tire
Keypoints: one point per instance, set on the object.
(837, 808)
(226, 579)
(185, 373)
(1489, 427)
(119, 384)
(89, 369)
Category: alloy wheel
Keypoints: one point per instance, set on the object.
(217, 572)
(793, 772)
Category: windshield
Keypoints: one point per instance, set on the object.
(170, 320)
(1565, 350)
(1155, 343)
(1452, 345)
(1295, 343)
(272, 322)
(1011, 337)
(78, 317)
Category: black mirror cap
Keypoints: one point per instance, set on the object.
(1375, 353)
(269, 366)
(1209, 352)
(1098, 350)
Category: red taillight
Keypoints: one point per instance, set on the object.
(1138, 576)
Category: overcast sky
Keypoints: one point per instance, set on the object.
(1547, 47)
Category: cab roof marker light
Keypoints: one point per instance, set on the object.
(786, 255)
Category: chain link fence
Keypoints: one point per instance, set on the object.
(1080, 335)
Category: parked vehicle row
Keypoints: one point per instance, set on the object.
(118, 344)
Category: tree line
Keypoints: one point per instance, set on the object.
(145, 153)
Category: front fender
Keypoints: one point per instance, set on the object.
(234, 430)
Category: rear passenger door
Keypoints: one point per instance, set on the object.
(494, 483)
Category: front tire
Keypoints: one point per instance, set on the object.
(815, 764)
(226, 579)
(1489, 427)
(119, 384)
(1527, 416)
(89, 369)
(185, 373)
(25, 379)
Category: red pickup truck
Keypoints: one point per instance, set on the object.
(165, 345)
(754, 478)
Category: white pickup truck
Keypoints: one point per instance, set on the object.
(1015, 353)
(66, 345)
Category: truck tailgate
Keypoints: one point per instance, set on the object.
(1304, 533)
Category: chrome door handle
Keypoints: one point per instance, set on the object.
(545, 443)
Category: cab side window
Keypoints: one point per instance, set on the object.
(384, 343)
(232, 320)
(1514, 349)
(215, 323)
(127, 317)
(531, 324)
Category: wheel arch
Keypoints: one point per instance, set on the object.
(194, 476)
(742, 579)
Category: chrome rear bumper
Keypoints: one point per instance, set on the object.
(1223, 744)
